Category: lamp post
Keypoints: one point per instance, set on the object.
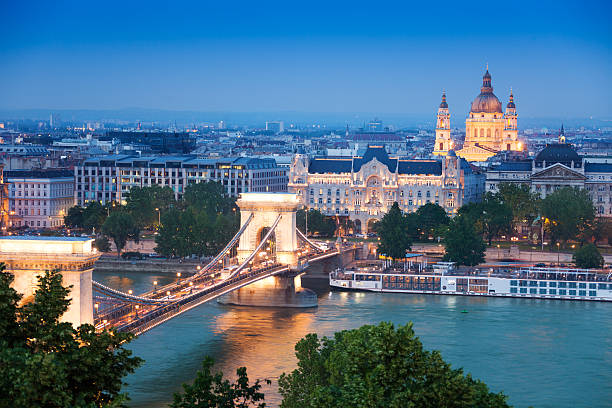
(498, 255)
(154, 286)
(558, 254)
(158, 217)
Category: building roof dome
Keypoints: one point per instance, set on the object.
(511, 104)
(558, 153)
(443, 104)
(486, 102)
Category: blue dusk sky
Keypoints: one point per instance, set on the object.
(306, 56)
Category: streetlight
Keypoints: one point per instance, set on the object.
(96, 306)
(558, 254)
(154, 286)
(498, 256)
(178, 276)
(130, 292)
(158, 217)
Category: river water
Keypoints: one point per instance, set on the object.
(542, 353)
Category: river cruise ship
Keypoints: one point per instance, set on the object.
(444, 279)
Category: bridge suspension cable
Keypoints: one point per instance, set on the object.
(98, 287)
(303, 237)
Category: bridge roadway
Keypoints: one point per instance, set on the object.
(180, 297)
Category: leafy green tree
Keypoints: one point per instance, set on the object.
(102, 244)
(588, 257)
(318, 223)
(522, 201)
(210, 197)
(94, 216)
(120, 227)
(213, 391)
(463, 244)
(45, 362)
(394, 233)
(569, 214)
(143, 203)
(378, 366)
(429, 218)
(74, 217)
(491, 217)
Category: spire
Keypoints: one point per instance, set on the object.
(443, 104)
(511, 104)
(562, 135)
(486, 82)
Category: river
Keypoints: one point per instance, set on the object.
(542, 353)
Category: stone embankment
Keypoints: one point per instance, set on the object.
(165, 266)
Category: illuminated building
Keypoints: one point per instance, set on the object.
(28, 257)
(488, 130)
(110, 178)
(363, 188)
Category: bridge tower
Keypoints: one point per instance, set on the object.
(266, 208)
(27, 257)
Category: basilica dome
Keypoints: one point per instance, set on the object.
(486, 102)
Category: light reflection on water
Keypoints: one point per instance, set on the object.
(540, 352)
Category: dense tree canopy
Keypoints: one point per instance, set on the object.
(44, 362)
(120, 227)
(143, 203)
(429, 218)
(90, 218)
(201, 224)
(378, 366)
(463, 244)
(395, 232)
(318, 223)
(213, 391)
(522, 201)
(491, 217)
(569, 214)
(588, 257)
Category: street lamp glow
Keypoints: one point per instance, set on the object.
(130, 292)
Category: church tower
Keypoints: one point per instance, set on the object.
(443, 133)
(511, 141)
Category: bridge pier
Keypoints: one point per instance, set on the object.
(275, 291)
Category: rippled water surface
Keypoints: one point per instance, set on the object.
(543, 353)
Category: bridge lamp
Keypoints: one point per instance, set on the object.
(190, 283)
(168, 293)
(178, 274)
(198, 267)
(96, 306)
(130, 292)
(104, 321)
(137, 307)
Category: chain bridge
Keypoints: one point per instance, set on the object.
(268, 244)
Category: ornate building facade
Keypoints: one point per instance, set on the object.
(558, 165)
(488, 130)
(363, 188)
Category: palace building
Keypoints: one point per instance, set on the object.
(363, 188)
(488, 130)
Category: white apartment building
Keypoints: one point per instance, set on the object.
(39, 198)
(110, 178)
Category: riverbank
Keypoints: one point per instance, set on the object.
(162, 266)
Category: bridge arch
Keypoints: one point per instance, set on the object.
(266, 208)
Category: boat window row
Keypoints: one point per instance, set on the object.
(560, 292)
(572, 285)
(411, 282)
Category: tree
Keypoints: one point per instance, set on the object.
(93, 216)
(523, 203)
(211, 391)
(120, 227)
(143, 203)
(102, 244)
(74, 217)
(491, 217)
(45, 362)
(429, 218)
(210, 197)
(569, 214)
(318, 223)
(588, 257)
(378, 366)
(463, 244)
(394, 233)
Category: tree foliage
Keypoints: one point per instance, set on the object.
(522, 201)
(395, 233)
(378, 366)
(213, 391)
(90, 218)
(569, 214)
(429, 218)
(120, 227)
(463, 244)
(588, 257)
(201, 224)
(318, 223)
(491, 217)
(46, 362)
(143, 203)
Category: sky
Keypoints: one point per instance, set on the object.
(306, 56)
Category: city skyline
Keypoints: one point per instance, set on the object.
(337, 58)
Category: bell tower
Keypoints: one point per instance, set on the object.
(510, 141)
(443, 133)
